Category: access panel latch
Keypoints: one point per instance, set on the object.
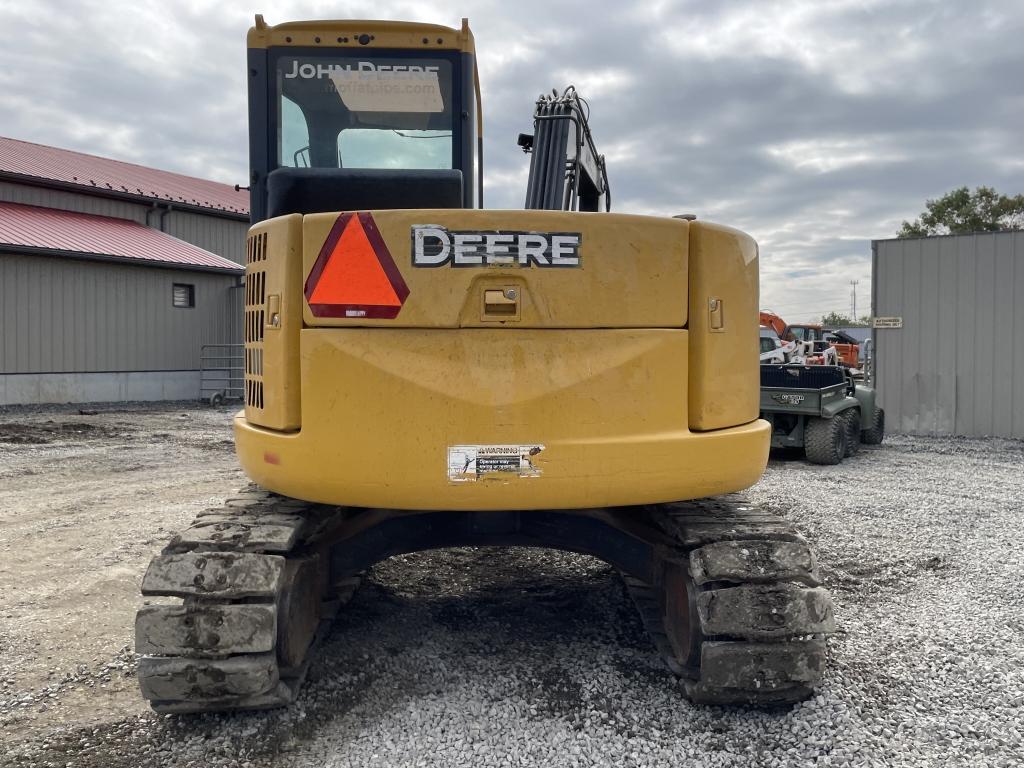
(716, 315)
(501, 304)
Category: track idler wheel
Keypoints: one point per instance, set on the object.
(682, 625)
(299, 611)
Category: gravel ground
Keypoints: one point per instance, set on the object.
(527, 657)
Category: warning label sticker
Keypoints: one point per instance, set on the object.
(467, 463)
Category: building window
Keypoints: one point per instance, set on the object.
(183, 295)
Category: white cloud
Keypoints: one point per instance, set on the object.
(600, 83)
(826, 155)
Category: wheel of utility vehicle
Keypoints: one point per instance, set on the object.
(874, 434)
(217, 399)
(825, 440)
(852, 416)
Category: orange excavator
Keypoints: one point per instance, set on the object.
(814, 340)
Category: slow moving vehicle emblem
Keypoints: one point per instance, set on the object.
(354, 275)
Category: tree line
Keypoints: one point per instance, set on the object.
(958, 212)
(962, 211)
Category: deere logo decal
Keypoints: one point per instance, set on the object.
(435, 246)
(787, 399)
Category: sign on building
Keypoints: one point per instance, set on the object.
(888, 322)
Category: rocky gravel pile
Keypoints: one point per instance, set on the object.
(487, 657)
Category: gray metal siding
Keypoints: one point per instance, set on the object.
(224, 237)
(957, 364)
(72, 315)
(27, 194)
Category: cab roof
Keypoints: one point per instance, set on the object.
(361, 34)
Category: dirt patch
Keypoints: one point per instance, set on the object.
(58, 431)
(85, 502)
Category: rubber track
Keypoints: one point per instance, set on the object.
(759, 614)
(225, 647)
(757, 602)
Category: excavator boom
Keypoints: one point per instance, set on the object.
(566, 172)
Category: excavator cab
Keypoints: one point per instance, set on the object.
(366, 116)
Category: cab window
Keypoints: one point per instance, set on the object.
(348, 112)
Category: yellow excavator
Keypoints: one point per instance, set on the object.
(421, 372)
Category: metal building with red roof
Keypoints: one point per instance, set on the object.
(114, 277)
(65, 169)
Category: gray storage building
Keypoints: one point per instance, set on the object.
(955, 363)
(112, 276)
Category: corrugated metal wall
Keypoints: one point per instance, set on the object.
(71, 201)
(71, 315)
(223, 236)
(956, 367)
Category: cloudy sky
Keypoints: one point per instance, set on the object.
(815, 126)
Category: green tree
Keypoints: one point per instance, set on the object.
(960, 211)
(836, 320)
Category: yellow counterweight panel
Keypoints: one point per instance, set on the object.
(632, 271)
(382, 408)
(723, 327)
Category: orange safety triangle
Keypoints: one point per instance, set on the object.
(353, 274)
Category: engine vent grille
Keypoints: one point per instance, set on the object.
(256, 248)
(255, 303)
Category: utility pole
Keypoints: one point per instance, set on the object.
(854, 284)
